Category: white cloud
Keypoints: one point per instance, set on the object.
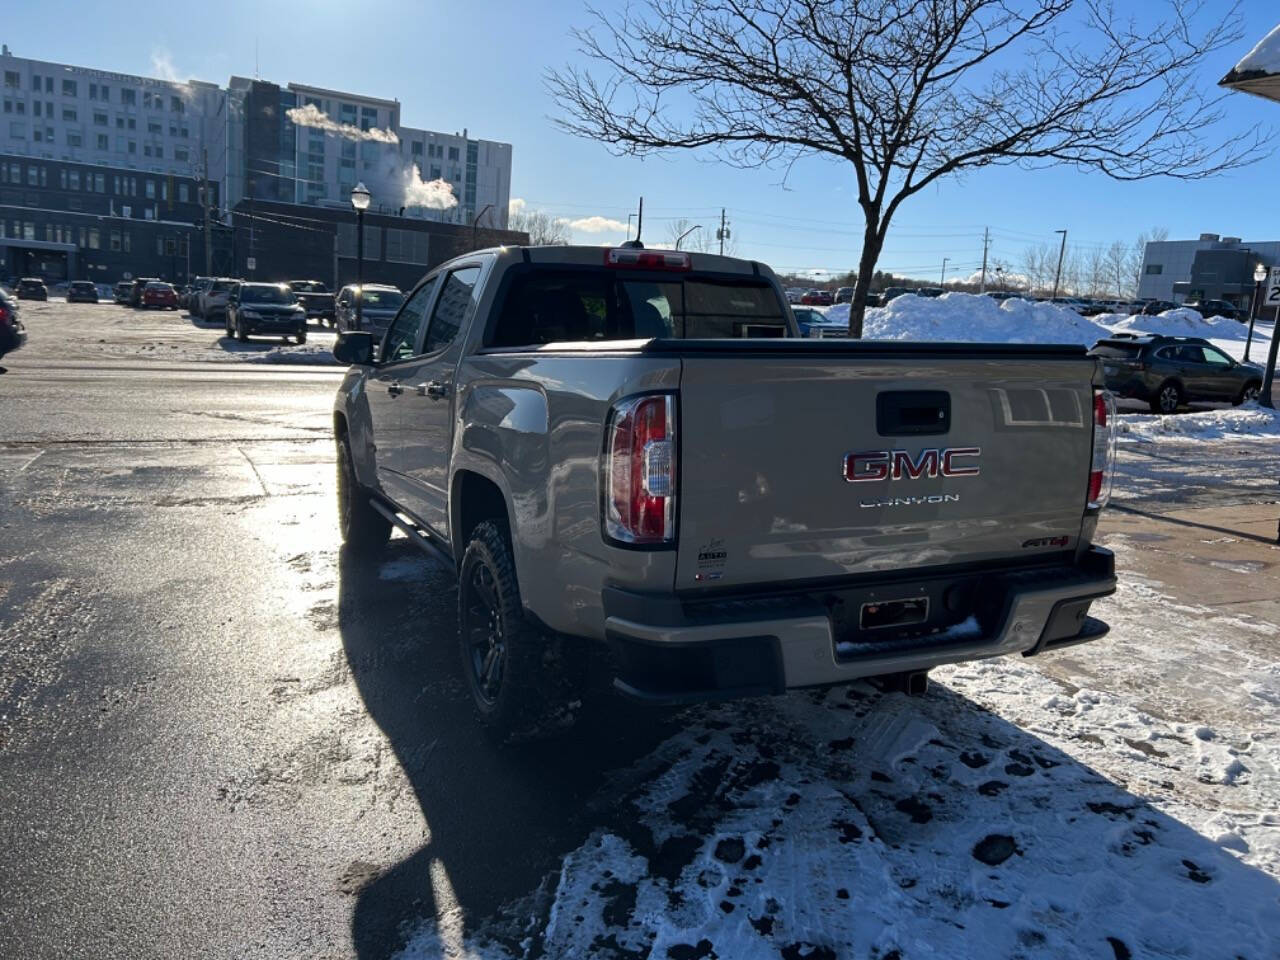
(162, 66)
(597, 225)
(312, 116)
(432, 194)
(516, 205)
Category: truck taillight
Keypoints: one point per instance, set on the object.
(1102, 464)
(629, 258)
(640, 470)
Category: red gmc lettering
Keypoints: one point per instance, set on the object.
(948, 456)
(925, 466)
(901, 465)
(869, 465)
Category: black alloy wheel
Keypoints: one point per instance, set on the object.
(483, 632)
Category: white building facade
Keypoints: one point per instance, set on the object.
(1211, 267)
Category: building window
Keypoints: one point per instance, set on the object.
(100, 183)
(33, 176)
(69, 114)
(104, 142)
(415, 148)
(48, 84)
(17, 130)
(35, 108)
(184, 193)
(164, 189)
(74, 139)
(150, 189)
(159, 152)
(99, 119)
(175, 104)
(453, 153)
(73, 179)
(35, 82)
(346, 239)
(146, 149)
(153, 126)
(125, 240)
(36, 134)
(181, 154)
(93, 91)
(1154, 269)
(104, 93)
(119, 122)
(28, 230)
(93, 238)
(129, 97)
(406, 246)
(12, 79)
(133, 146)
(69, 88)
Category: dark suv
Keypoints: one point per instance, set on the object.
(1218, 308)
(31, 288)
(1170, 371)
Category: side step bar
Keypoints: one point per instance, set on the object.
(419, 536)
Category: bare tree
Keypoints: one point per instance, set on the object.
(1139, 252)
(1096, 271)
(543, 229)
(910, 91)
(698, 240)
(1117, 258)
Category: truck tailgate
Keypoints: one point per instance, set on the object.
(959, 455)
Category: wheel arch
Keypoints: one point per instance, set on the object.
(473, 498)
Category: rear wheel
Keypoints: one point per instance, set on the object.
(1167, 399)
(363, 528)
(518, 676)
(240, 334)
(302, 337)
(1252, 390)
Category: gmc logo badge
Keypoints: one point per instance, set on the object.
(899, 464)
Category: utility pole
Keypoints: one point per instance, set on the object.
(943, 281)
(986, 242)
(723, 232)
(208, 217)
(1058, 275)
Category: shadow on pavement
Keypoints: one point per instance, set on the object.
(840, 822)
(498, 818)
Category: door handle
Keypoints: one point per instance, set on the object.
(433, 389)
(395, 389)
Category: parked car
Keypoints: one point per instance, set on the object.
(140, 284)
(160, 295)
(31, 288)
(631, 498)
(844, 295)
(1218, 308)
(213, 299)
(1154, 308)
(271, 308)
(380, 304)
(814, 323)
(82, 291)
(1167, 372)
(13, 335)
(817, 298)
(121, 291)
(930, 292)
(198, 286)
(891, 293)
(315, 298)
(794, 294)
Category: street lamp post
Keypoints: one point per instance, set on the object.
(360, 198)
(943, 281)
(475, 225)
(1057, 277)
(1259, 275)
(696, 226)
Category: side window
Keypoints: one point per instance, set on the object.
(1190, 354)
(1169, 354)
(451, 309)
(403, 332)
(1214, 357)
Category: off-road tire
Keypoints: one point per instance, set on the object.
(536, 693)
(1167, 399)
(364, 530)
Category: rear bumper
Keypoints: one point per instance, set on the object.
(755, 644)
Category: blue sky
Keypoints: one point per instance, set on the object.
(479, 65)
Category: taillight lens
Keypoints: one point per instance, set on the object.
(628, 258)
(1102, 464)
(640, 470)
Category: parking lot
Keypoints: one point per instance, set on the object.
(220, 736)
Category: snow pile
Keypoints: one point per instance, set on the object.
(966, 318)
(1181, 322)
(1264, 58)
(1250, 421)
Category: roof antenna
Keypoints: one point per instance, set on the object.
(636, 244)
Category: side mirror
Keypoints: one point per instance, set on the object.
(354, 347)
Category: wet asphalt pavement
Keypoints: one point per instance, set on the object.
(219, 738)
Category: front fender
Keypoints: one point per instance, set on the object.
(352, 405)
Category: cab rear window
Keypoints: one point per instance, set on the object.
(566, 306)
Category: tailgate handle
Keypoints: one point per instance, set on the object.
(913, 412)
